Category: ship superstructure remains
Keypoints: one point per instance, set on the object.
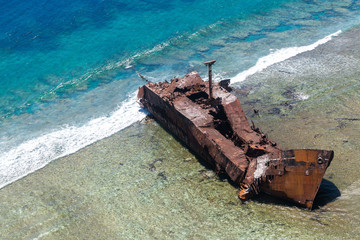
(211, 122)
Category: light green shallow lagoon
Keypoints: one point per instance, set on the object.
(141, 183)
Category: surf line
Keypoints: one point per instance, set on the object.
(36, 153)
(279, 56)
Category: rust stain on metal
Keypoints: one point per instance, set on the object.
(217, 130)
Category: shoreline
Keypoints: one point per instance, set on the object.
(72, 138)
(279, 56)
(141, 182)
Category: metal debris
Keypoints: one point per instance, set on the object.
(211, 122)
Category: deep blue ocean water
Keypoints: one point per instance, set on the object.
(64, 66)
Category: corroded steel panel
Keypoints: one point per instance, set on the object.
(217, 130)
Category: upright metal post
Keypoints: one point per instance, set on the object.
(209, 64)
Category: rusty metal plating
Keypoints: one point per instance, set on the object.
(215, 127)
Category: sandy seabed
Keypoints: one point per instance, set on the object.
(142, 184)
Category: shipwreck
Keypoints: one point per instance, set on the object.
(209, 120)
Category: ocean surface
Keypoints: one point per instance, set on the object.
(64, 69)
(68, 77)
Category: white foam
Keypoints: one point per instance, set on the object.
(36, 153)
(279, 56)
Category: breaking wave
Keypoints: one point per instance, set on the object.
(279, 56)
(36, 153)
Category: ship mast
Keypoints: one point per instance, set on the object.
(209, 64)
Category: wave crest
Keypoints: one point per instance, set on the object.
(279, 56)
(36, 153)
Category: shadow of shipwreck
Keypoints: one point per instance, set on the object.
(328, 192)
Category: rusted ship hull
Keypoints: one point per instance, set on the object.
(217, 130)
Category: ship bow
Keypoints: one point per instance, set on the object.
(297, 175)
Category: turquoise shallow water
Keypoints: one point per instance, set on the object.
(65, 86)
(64, 66)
